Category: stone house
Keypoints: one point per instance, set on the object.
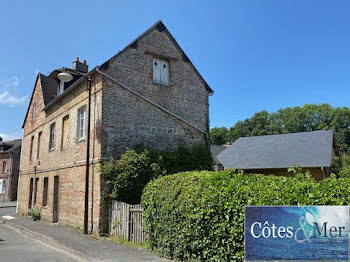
(149, 93)
(9, 160)
(313, 151)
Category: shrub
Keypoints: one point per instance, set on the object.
(35, 213)
(128, 176)
(183, 159)
(200, 215)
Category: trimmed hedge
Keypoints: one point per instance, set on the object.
(199, 216)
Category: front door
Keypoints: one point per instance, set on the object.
(55, 199)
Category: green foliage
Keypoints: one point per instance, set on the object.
(35, 213)
(218, 135)
(183, 159)
(199, 216)
(127, 177)
(291, 120)
(344, 166)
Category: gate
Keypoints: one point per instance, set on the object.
(126, 221)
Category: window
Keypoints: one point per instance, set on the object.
(31, 149)
(45, 190)
(34, 111)
(52, 137)
(2, 186)
(36, 190)
(61, 88)
(4, 167)
(65, 137)
(38, 149)
(81, 123)
(160, 71)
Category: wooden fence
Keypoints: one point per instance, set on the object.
(126, 221)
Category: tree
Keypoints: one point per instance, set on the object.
(218, 135)
(290, 120)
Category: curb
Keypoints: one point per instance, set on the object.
(48, 241)
(6, 206)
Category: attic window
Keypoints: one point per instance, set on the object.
(61, 87)
(160, 71)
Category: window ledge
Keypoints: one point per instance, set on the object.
(80, 140)
(159, 84)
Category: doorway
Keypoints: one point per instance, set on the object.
(30, 194)
(55, 199)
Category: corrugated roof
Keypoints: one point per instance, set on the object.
(305, 149)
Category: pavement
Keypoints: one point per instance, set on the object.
(16, 247)
(8, 204)
(75, 245)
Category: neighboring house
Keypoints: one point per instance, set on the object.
(274, 154)
(215, 151)
(149, 93)
(10, 152)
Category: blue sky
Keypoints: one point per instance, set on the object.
(256, 55)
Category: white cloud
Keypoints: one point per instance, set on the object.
(7, 87)
(7, 137)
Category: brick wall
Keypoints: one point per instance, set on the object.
(128, 120)
(69, 163)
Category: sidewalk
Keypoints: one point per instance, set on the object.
(8, 204)
(79, 246)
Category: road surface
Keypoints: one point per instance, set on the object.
(16, 247)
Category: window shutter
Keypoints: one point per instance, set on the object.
(156, 70)
(164, 77)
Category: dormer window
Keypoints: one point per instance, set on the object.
(61, 90)
(161, 71)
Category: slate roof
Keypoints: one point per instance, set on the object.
(11, 145)
(215, 150)
(305, 149)
(49, 88)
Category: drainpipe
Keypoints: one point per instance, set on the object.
(86, 204)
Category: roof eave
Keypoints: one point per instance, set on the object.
(69, 89)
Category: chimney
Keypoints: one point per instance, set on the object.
(80, 66)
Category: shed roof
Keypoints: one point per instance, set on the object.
(305, 149)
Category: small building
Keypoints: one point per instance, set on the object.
(10, 152)
(215, 150)
(274, 154)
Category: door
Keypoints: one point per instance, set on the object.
(30, 194)
(55, 199)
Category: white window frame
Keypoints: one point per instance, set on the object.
(61, 87)
(2, 186)
(4, 167)
(81, 123)
(161, 71)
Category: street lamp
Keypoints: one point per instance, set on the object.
(65, 77)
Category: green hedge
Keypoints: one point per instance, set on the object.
(199, 216)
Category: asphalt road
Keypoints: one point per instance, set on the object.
(16, 247)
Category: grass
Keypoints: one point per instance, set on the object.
(143, 245)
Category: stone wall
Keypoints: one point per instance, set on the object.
(129, 120)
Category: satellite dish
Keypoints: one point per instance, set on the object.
(65, 77)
